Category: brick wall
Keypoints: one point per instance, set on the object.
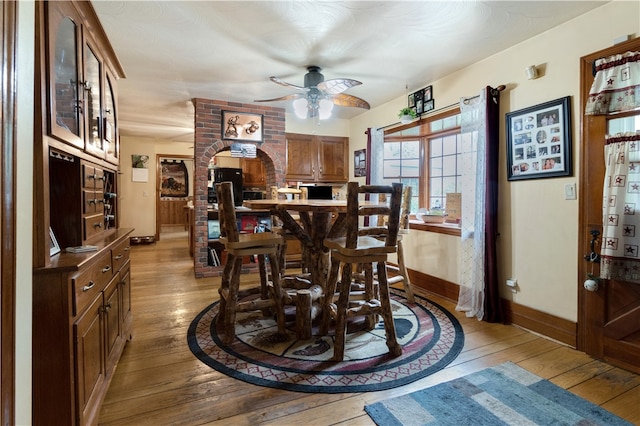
(208, 142)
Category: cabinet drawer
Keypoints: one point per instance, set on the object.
(89, 283)
(92, 177)
(93, 201)
(93, 225)
(120, 255)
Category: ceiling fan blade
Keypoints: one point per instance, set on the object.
(284, 83)
(337, 85)
(283, 98)
(349, 101)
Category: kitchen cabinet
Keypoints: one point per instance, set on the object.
(253, 173)
(317, 159)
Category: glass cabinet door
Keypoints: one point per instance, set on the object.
(110, 125)
(92, 101)
(66, 110)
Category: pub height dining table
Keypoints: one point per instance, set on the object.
(318, 219)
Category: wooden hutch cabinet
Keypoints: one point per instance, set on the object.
(312, 158)
(82, 314)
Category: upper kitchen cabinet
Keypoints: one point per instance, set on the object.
(253, 173)
(313, 158)
(81, 75)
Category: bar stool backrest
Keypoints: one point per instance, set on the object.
(356, 210)
(227, 212)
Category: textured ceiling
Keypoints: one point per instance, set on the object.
(174, 51)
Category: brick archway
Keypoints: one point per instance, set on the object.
(208, 142)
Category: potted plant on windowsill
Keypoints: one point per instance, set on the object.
(407, 115)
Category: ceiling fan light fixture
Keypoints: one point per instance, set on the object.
(300, 107)
(326, 106)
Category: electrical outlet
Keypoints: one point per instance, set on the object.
(513, 285)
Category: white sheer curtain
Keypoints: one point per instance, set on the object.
(621, 209)
(616, 86)
(377, 156)
(472, 276)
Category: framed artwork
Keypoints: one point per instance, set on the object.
(411, 101)
(241, 126)
(539, 141)
(427, 93)
(360, 163)
(174, 179)
(54, 247)
(428, 105)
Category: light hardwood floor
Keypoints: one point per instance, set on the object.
(158, 381)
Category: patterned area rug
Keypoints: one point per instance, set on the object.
(430, 337)
(502, 395)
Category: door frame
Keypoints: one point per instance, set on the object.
(591, 127)
(8, 148)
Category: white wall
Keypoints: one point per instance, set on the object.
(538, 228)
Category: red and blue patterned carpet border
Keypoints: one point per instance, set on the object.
(431, 338)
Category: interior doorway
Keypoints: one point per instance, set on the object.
(609, 313)
(174, 193)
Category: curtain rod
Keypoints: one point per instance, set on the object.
(499, 89)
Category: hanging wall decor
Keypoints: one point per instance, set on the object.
(421, 100)
(539, 141)
(241, 126)
(174, 179)
(360, 163)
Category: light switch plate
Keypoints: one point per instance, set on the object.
(570, 191)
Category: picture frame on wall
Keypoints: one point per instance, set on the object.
(428, 105)
(539, 141)
(242, 126)
(360, 163)
(427, 93)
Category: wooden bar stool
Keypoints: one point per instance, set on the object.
(264, 245)
(400, 271)
(364, 246)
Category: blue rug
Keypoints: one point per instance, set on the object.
(502, 395)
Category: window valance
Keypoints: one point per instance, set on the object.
(616, 86)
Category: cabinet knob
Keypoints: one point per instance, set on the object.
(118, 257)
(88, 286)
(107, 307)
(106, 269)
(97, 225)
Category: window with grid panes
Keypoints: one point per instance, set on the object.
(402, 164)
(427, 157)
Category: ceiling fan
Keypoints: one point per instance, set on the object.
(317, 97)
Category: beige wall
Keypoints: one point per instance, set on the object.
(138, 199)
(538, 228)
(24, 206)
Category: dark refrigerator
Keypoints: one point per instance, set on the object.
(233, 175)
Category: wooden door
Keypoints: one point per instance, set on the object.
(333, 157)
(609, 318)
